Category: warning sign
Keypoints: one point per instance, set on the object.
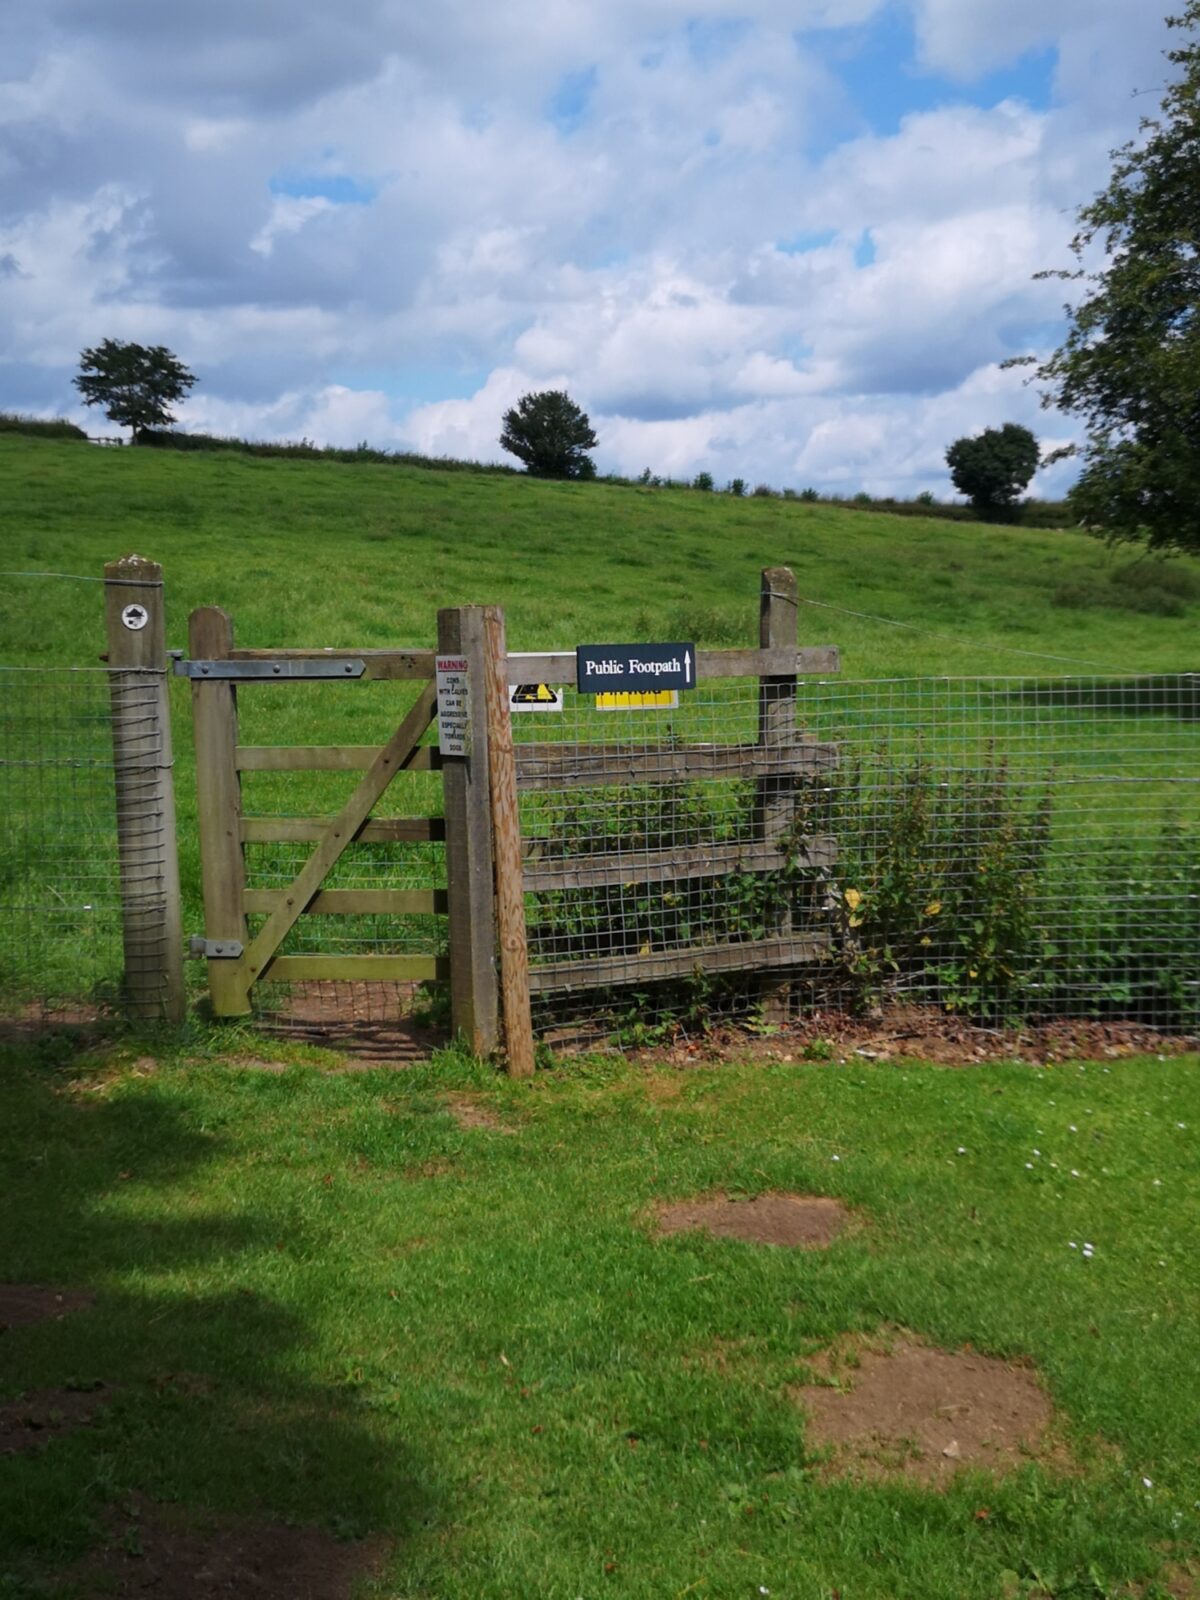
(638, 700)
(535, 697)
(454, 705)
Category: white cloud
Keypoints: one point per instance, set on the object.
(568, 194)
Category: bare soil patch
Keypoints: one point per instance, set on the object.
(472, 1115)
(170, 1553)
(911, 1410)
(36, 1419)
(804, 1222)
(22, 1305)
(369, 1022)
(922, 1033)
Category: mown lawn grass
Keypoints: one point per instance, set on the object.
(322, 1298)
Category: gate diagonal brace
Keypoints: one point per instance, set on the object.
(338, 834)
(267, 671)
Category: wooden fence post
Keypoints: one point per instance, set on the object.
(151, 914)
(779, 606)
(506, 845)
(219, 809)
(470, 876)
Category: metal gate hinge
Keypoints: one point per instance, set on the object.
(269, 670)
(214, 949)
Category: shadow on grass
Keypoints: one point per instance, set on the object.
(221, 1397)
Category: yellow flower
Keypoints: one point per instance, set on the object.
(974, 973)
(932, 909)
(926, 940)
(853, 899)
(856, 922)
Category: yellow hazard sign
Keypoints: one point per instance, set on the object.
(638, 700)
(535, 697)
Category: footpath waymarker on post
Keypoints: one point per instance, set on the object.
(142, 761)
(474, 1001)
(506, 843)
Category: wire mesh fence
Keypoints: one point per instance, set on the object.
(1011, 849)
(61, 947)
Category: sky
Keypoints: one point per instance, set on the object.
(790, 242)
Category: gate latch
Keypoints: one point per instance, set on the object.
(214, 949)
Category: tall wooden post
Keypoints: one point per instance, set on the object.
(779, 606)
(135, 623)
(470, 873)
(219, 809)
(506, 845)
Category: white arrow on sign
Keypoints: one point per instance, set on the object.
(687, 665)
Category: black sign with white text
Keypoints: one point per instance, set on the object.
(603, 668)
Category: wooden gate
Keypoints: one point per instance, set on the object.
(237, 960)
(492, 872)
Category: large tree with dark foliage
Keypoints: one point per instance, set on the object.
(550, 434)
(135, 383)
(1130, 363)
(993, 468)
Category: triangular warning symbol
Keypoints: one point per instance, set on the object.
(532, 694)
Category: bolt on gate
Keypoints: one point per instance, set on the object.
(502, 868)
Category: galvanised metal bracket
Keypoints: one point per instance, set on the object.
(241, 671)
(214, 949)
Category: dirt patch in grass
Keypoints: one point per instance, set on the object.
(36, 1419)
(911, 1410)
(469, 1113)
(805, 1222)
(370, 1023)
(920, 1033)
(23, 1305)
(1181, 1582)
(170, 1553)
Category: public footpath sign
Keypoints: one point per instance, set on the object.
(610, 668)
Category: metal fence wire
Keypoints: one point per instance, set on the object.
(1011, 849)
(61, 947)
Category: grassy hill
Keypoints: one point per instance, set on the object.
(307, 553)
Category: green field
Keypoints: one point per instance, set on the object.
(318, 553)
(1042, 657)
(320, 1300)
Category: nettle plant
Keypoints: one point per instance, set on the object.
(939, 883)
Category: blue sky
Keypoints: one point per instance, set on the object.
(790, 241)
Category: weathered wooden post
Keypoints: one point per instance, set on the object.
(219, 810)
(470, 872)
(506, 846)
(152, 920)
(779, 606)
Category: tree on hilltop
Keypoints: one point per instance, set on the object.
(135, 383)
(550, 434)
(1130, 363)
(993, 468)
